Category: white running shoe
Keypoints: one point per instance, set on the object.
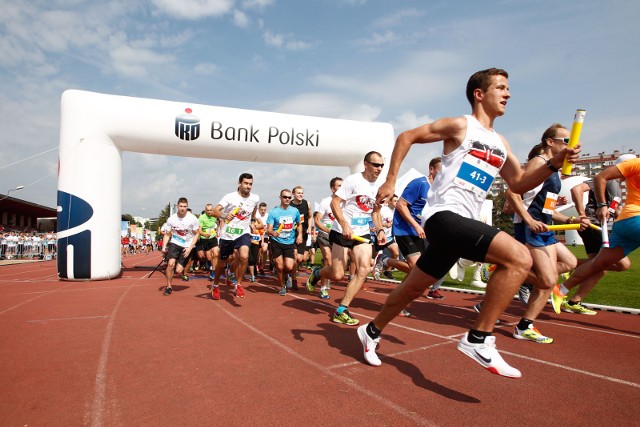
(369, 346)
(487, 355)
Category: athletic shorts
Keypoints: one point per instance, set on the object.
(177, 252)
(626, 234)
(322, 240)
(523, 234)
(280, 249)
(377, 247)
(206, 244)
(411, 245)
(338, 239)
(228, 246)
(254, 249)
(452, 236)
(302, 247)
(592, 240)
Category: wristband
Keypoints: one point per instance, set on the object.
(551, 166)
(602, 205)
(571, 220)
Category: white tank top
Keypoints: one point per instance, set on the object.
(467, 173)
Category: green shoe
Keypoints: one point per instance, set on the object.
(324, 294)
(312, 280)
(577, 308)
(532, 334)
(283, 291)
(345, 318)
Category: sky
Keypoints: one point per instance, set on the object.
(404, 62)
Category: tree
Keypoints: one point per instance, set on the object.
(162, 218)
(501, 220)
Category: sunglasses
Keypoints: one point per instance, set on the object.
(565, 140)
(286, 197)
(376, 165)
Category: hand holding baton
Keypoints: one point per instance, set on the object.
(574, 138)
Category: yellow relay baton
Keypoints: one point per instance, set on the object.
(574, 138)
(560, 227)
(360, 239)
(280, 227)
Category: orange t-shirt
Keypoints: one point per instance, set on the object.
(631, 171)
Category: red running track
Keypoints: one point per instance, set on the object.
(119, 353)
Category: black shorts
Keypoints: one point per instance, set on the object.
(228, 246)
(338, 239)
(253, 253)
(592, 240)
(377, 247)
(452, 236)
(411, 245)
(206, 244)
(302, 247)
(177, 252)
(280, 249)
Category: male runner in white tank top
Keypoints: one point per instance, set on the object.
(473, 154)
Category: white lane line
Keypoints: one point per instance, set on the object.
(65, 318)
(347, 381)
(31, 299)
(96, 415)
(457, 336)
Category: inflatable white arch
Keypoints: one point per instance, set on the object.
(96, 128)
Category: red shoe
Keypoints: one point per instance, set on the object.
(215, 292)
(435, 295)
(239, 292)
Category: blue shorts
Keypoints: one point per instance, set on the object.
(626, 234)
(523, 234)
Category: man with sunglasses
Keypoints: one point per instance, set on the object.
(353, 206)
(282, 223)
(473, 155)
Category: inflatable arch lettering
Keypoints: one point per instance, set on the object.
(95, 129)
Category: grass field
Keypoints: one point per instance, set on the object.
(620, 289)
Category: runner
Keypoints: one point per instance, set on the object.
(207, 245)
(323, 220)
(353, 206)
(236, 210)
(180, 236)
(282, 223)
(473, 154)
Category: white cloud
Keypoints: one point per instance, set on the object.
(284, 41)
(205, 69)
(240, 19)
(194, 9)
(398, 17)
(378, 39)
(257, 4)
(132, 62)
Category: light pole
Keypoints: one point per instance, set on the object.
(18, 188)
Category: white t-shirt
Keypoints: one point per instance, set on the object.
(327, 215)
(183, 230)
(242, 208)
(386, 215)
(359, 197)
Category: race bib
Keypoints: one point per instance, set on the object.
(360, 221)
(475, 175)
(234, 231)
(178, 240)
(550, 203)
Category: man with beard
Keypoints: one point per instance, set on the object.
(236, 210)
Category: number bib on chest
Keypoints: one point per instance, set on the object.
(550, 203)
(235, 231)
(475, 175)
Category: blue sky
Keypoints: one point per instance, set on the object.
(404, 62)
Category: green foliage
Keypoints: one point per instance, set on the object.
(162, 218)
(500, 220)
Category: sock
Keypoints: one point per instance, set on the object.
(477, 337)
(563, 290)
(372, 331)
(341, 309)
(524, 324)
(574, 302)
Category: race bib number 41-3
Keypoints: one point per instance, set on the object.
(475, 175)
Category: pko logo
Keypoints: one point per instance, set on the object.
(187, 126)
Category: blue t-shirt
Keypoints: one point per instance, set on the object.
(287, 218)
(415, 194)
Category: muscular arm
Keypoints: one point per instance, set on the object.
(449, 130)
(318, 221)
(403, 209)
(599, 188)
(337, 213)
(577, 197)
